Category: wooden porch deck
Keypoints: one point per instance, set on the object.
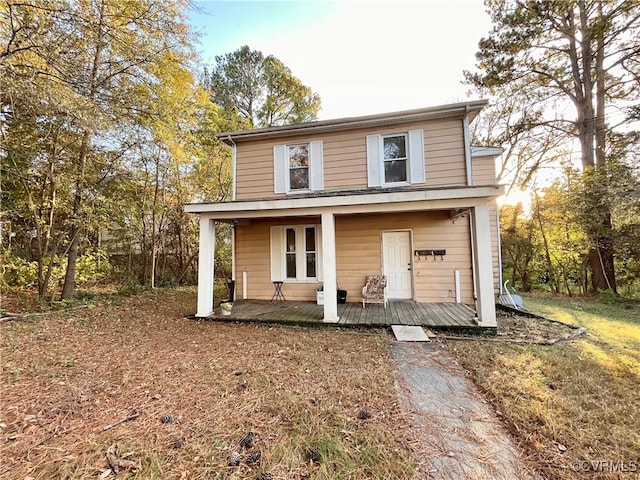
(432, 315)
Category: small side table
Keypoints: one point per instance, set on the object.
(277, 294)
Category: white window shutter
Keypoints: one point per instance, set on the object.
(277, 255)
(316, 168)
(373, 160)
(279, 169)
(416, 156)
(319, 252)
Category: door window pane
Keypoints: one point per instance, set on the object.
(310, 249)
(291, 252)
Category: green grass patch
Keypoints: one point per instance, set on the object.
(580, 395)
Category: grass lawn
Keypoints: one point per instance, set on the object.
(574, 405)
(195, 388)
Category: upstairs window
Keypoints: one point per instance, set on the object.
(298, 167)
(395, 158)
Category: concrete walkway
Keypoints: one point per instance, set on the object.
(458, 435)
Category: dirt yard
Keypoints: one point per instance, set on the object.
(130, 386)
(320, 402)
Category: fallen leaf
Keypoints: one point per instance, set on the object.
(105, 474)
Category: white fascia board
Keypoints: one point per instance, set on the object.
(365, 203)
(486, 151)
(320, 126)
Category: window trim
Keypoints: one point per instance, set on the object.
(300, 253)
(416, 160)
(287, 159)
(281, 168)
(407, 160)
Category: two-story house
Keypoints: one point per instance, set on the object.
(325, 203)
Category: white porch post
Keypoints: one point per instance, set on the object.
(330, 283)
(481, 235)
(206, 266)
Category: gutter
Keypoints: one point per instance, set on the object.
(233, 166)
(467, 146)
(453, 110)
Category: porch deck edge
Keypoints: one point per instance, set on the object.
(444, 317)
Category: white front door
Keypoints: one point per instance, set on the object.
(396, 264)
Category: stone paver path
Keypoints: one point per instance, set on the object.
(460, 436)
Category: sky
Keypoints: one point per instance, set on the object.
(361, 57)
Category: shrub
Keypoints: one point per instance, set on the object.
(18, 272)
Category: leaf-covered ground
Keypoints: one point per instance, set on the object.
(198, 388)
(572, 407)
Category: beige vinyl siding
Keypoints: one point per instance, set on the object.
(359, 253)
(444, 154)
(254, 170)
(483, 169)
(253, 256)
(345, 158)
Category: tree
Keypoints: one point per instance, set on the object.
(583, 53)
(88, 67)
(519, 250)
(260, 90)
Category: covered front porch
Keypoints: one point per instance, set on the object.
(432, 315)
(349, 240)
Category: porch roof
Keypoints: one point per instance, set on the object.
(353, 201)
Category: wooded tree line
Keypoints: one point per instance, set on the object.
(108, 123)
(564, 79)
(108, 127)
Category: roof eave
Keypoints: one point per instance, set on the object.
(471, 108)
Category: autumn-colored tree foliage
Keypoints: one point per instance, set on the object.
(103, 126)
(562, 74)
(106, 134)
(545, 246)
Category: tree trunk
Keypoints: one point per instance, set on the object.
(601, 263)
(553, 278)
(601, 258)
(69, 286)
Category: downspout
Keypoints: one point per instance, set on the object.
(467, 146)
(233, 198)
(233, 168)
(499, 249)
